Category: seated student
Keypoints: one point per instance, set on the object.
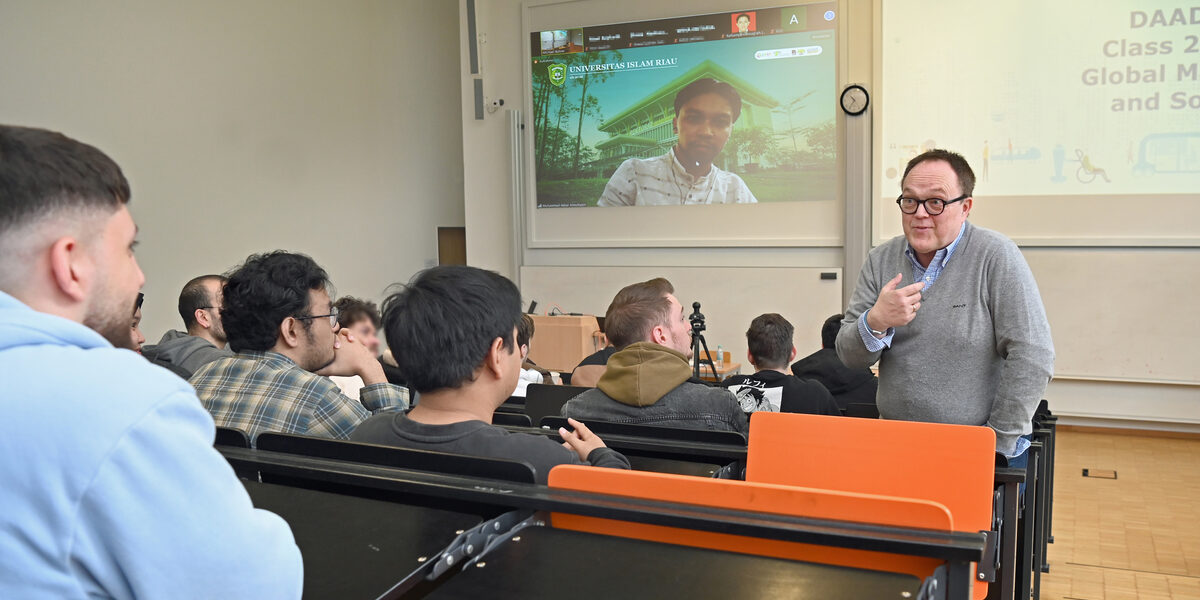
(281, 324)
(649, 380)
(392, 370)
(203, 339)
(109, 483)
(587, 373)
(530, 372)
(463, 369)
(361, 318)
(137, 340)
(848, 386)
(771, 388)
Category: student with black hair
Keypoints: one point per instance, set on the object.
(136, 336)
(280, 322)
(848, 386)
(772, 388)
(453, 330)
(705, 111)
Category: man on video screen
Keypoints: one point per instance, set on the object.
(742, 23)
(705, 111)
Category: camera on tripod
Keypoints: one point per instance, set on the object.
(696, 319)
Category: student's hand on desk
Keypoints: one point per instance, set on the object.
(582, 440)
(895, 307)
(352, 357)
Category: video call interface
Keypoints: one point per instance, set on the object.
(604, 103)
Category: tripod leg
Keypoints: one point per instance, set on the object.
(699, 337)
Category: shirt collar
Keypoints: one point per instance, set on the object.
(682, 172)
(942, 257)
(268, 356)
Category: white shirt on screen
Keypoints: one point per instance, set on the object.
(663, 181)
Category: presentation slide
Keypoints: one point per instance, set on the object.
(1067, 98)
(755, 92)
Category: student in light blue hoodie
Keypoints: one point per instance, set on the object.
(109, 485)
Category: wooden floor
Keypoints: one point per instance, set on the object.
(1136, 536)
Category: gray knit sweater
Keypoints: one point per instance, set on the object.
(978, 352)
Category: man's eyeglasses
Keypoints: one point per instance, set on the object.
(333, 316)
(933, 206)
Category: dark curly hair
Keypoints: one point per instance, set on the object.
(441, 325)
(265, 290)
(352, 310)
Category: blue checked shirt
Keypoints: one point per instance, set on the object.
(941, 258)
(266, 391)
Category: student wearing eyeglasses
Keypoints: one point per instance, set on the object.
(952, 314)
(203, 338)
(284, 330)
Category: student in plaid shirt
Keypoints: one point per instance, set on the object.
(279, 321)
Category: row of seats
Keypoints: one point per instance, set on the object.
(802, 465)
(543, 400)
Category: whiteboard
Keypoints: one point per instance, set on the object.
(1137, 321)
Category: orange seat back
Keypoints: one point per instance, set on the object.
(768, 498)
(953, 465)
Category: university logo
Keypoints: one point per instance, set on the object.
(558, 74)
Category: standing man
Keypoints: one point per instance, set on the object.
(952, 313)
(204, 339)
(705, 111)
(109, 484)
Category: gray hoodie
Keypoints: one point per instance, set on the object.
(187, 352)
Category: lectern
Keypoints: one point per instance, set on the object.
(561, 341)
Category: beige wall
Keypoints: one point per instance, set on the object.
(1114, 397)
(328, 128)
